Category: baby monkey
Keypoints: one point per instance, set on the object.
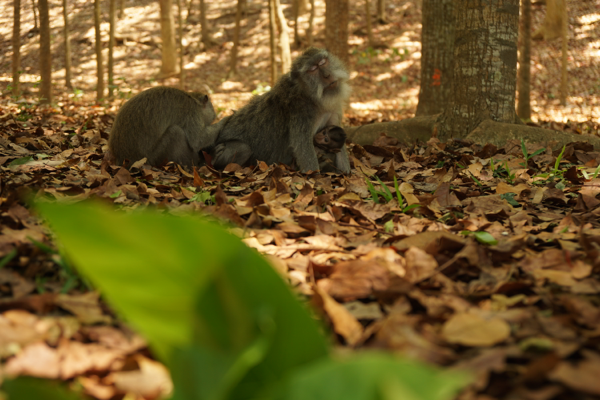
(329, 142)
(280, 125)
(162, 124)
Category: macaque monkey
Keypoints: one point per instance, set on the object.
(162, 124)
(328, 142)
(279, 126)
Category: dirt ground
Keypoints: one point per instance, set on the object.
(385, 80)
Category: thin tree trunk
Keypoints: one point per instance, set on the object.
(369, 27)
(236, 40)
(311, 21)
(167, 33)
(111, 48)
(295, 12)
(272, 41)
(564, 60)
(552, 25)
(381, 18)
(180, 43)
(336, 28)
(437, 56)
(485, 66)
(45, 54)
(16, 46)
(35, 17)
(190, 9)
(121, 10)
(99, 63)
(66, 31)
(524, 74)
(206, 39)
(284, 39)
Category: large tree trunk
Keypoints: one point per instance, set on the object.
(437, 56)
(485, 66)
(66, 29)
(284, 39)
(272, 42)
(99, 62)
(167, 33)
(336, 28)
(236, 40)
(111, 48)
(16, 47)
(45, 54)
(524, 74)
(552, 25)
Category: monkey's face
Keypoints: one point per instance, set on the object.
(323, 73)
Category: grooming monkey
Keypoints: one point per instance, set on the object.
(279, 126)
(162, 124)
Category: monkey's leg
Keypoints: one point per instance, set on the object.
(342, 161)
(173, 146)
(229, 152)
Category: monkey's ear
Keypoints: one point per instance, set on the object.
(204, 99)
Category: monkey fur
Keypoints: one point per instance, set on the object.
(328, 142)
(279, 126)
(162, 124)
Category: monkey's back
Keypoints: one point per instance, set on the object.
(144, 118)
(264, 123)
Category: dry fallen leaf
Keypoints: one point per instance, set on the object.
(472, 330)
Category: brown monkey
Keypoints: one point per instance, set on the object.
(162, 124)
(279, 126)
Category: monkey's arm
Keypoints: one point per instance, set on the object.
(342, 161)
(301, 143)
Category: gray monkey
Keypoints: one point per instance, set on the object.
(279, 126)
(162, 124)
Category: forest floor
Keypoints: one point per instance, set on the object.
(484, 258)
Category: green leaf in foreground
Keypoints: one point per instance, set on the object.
(20, 161)
(374, 376)
(36, 389)
(213, 309)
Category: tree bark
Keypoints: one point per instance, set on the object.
(111, 48)
(167, 33)
(121, 11)
(311, 21)
(272, 42)
(437, 56)
(45, 54)
(99, 62)
(284, 39)
(190, 9)
(206, 39)
(485, 66)
(368, 19)
(524, 75)
(336, 28)
(16, 46)
(564, 60)
(180, 45)
(66, 31)
(236, 40)
(381, 18)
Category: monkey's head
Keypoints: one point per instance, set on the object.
(324, 76)
(206, 108)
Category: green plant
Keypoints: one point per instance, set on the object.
(527, 155)
(219, 316)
